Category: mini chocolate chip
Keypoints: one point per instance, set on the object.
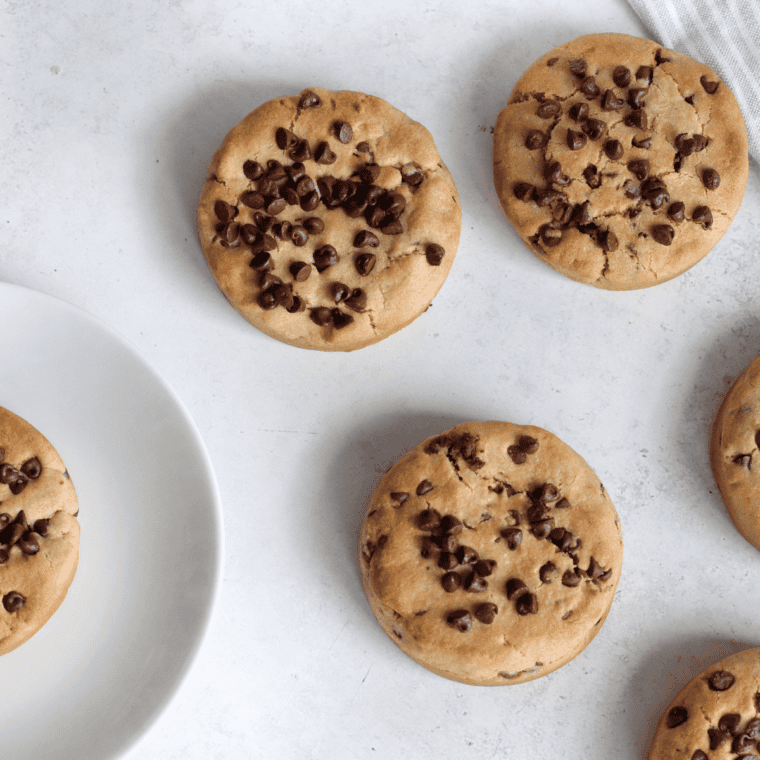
(325, 257)
(527, 604)
(339, 291)
(365, 263)
(321, 316)
(535, 139)
(645, 142)
(710, 87)
(357, 301)
(589, 88)
(434, 254)
(575, 140)
(549, 109)
(578, 112)
(459, 619)
(676, 212)
(451, 581)
(677, 716)
(343, 131)
(720, 680)
(428, 519)
(710, 179)
(547, 572)
(13, 601)
(224, 211)
(613, 149)
(702, 215)
(639, 167)
(285, 139)
(524, 191)
(594, 128)
(572, 577)
(299, 236)
(513, 537)
(253, 170)
(663, 234)
(486, 612)
(611, 102)
(309, 99)
(29, 544)
(637, 119)
(578, 67)
(621, 76)
(514, 587)
(324, 154)
(424, 486)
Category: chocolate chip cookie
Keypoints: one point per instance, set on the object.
(329, 220)
(716, 715)
(620, 163)
(490, 554)
(39, 532)
(735, 452)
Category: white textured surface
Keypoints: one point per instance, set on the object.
(109, 116)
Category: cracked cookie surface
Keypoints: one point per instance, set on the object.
(39, 532)
(490, 554)
(328, 219)
(620, 163)
(716, 715)
(735, 452)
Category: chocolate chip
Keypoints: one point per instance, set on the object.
(13, 601)
(752, 729)
(301, 152)
(550, 235)
(710, 87)
(424, 486)
(341, 319)
(324, 154)
(710, 179)
(589, 88)
(716, 738)
(466, 555)
(702, 215)
(744, 460)
(644, 72)
(253, 199)
(663, 234)
(535, 139)
(19, 484)
(484, 567)
(343, 131)
(228, 232)
(261, 261)
(513, 537)
(365, 263)
(276, 206)
(720, 680)
(613, 149)
(339, 291)
(611, 102)
(575, 140)
(645, 142)
(447, 561)
(594, 128)
(321, 316)
(393, 227)
(253, 170)
(285, 139)
(411, 175)
(365, 239)
(631, 189)
(699, 755)
(741, 744)
(459, 619)
(250, 234)
(451, 581)
(552, 61)
(314, 225)
(636, 97)
(676, 717)
(592, 177)
(700, 142)
(486, 612)
(660, 58)
(554, 174)
(547, 572)
(572, 577)
(309, 99)
(528, 444)
(325, 257)
(28, 543)
(266, 300)
(41, 526)
(621, 76)
(524, 191)
(549, 197)
(357, 301)
(639, 167)
(549, 109)
(514, 587)
(224, 211)
(4, 556)
(578, 67)
(636, 119)
(676, 212)
(428, 519)
(450, 525)
(729, 724)
(434, 254)
(578, 112)
(299, 236)
(516, 454)
(527, 604)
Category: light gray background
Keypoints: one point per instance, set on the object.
(109, 115)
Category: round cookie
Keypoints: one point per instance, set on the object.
(735, 455)
(490, 554)
(329, 220)
(716, 715)
(620, 163)
(39, 532)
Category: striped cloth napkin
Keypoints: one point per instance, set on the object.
(724, 34)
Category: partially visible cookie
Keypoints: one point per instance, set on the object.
(716, 715)
(39, 532)
(490, 554)
(735, 452)
(620, 163)
(328, 219)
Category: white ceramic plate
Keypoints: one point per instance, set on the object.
(95, 678)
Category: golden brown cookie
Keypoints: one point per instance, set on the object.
(716, 716)
(620, 163)
(39, 532)
(328, 219)
(490, 554)
(735, 455)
